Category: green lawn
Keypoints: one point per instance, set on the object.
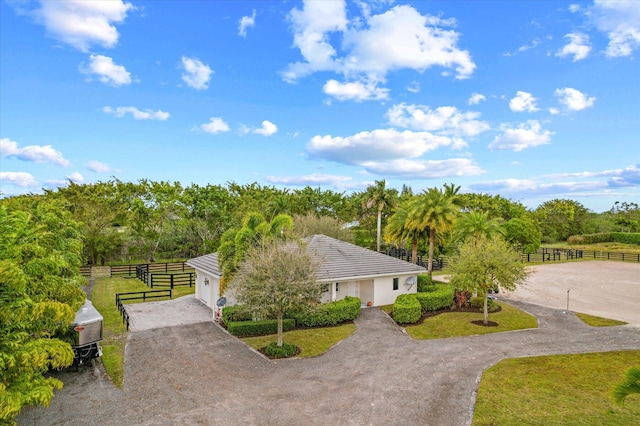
(557, 390)
(454, 324)
(103, 297)
(312, 342)
(608, 246)
(594, 321)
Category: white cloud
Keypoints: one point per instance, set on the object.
(620, 20)
(578, 46)
(526, 135)
(554, 111)
(357, 91)
(526, 47)
(76, 177)
(21, 179)
(136, 113)
(267, 129)
(413, 87)
(32, 153)
(98, 167)
(107, 71)
(246, 22)
(573, 8)
(82, 23)
(446, 120)
(196, 74)
(215, 125)
(573, 99)
(377, 145)
(424, 169)
(523, 101)
(372, 45)
(476, 98)
(339, 182)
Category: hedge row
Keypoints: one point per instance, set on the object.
(626, 237)
(406, 309)
(425, 283)
(441, 297)
(235, 313)
(332, 313)
(605, 237)
(257, 328)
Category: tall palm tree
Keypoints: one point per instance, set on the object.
(476, 223)
(434, 210)
(380, 197)
(399, 229)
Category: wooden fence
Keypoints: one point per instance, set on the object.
(158, 279)
(137, 295)
(130, 270)
(542, 255)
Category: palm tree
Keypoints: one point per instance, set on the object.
(380, 197)
(476, 223)
(399, 229)
(434, 210)
(630, 385)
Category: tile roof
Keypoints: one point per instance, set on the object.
(207, 263)
(339, 261)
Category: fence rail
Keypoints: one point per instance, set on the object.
(130, 270)
(542, 255)
(147, 276)
(137, 295)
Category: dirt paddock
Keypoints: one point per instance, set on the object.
(602, 288)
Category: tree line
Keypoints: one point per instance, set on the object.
(149, 220)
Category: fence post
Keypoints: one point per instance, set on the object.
(171, 281)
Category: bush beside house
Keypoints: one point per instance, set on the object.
(407, 309)
(329, 314)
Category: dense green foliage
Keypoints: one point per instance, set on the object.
(604, 237)
(40, 252)
(478, 303)
(235, 313)
(406, 309)
(277, 279)
(483, 264)
(440, 298)
(285, 351)
(425, 283)
(258, 328)
(332, 313)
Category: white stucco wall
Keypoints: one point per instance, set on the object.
(207, 294)
(384, 292)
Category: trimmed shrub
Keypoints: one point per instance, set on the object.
(332, 313)
(425, 283)
(440, 298)
(406, 309)
(606, 237)
(285, 351)
(478, 302)
(626, 237)
(235, 313)
(258, 328)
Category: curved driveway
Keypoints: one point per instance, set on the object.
(198, 374)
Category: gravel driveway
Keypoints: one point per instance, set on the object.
(198, 374)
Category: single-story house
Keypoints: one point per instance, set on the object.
(348, 270)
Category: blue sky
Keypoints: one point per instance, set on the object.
(530, 100)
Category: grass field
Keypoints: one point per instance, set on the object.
(594, 321)
(454, 324)
(610, 246)
(557, 390)
(103, 297)
(312, 342)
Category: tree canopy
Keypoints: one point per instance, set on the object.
(40, 256)
(482, 264)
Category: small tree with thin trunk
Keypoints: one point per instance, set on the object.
(485, 263)
(277, 278)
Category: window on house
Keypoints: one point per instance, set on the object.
(396, 281)
(337, 287)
